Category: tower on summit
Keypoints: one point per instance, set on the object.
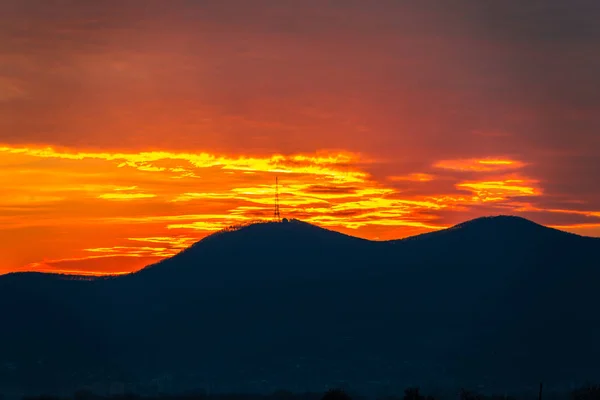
(276, 212)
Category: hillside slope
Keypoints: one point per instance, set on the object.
(497, 300)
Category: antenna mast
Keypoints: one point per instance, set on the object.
(277, 214)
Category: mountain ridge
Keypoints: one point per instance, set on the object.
(465, 304)
(493, 221)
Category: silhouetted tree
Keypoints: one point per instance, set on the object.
(468, 395)
(336, 394)
(500, 397)
(282, 395)
(412, 394)
(84, 395)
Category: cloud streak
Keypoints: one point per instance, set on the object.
(480, 165)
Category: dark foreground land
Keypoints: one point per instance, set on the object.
(495, 304)
(588, 392)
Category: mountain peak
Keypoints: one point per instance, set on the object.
(497, 221)
(501, 228)
(270, 230)
(271, 244)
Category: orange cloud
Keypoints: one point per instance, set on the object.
(479, 165)
(415, 177)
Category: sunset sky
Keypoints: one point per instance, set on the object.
(131, 129)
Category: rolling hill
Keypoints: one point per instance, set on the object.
(499, 301)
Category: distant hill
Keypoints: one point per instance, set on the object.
(262, 252)
(499, 301)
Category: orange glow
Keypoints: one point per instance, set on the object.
(124, 138)
(107, 212)
(378, 121)
(580, 229)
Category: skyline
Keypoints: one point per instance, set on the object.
(127, 133)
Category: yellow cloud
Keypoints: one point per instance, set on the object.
(147, 161)
(174, 242)
(126, 196)
(414, 177)
(479, 165)
(497, 190)
(208, 226)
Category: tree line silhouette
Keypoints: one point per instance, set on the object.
(588, 392)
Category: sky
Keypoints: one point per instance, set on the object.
(131, 129)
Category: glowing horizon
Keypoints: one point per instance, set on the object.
(128, 133)
(115, 196)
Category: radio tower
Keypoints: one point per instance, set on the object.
(277, 214)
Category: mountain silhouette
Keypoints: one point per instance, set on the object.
(499, 301)
(261, 252)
